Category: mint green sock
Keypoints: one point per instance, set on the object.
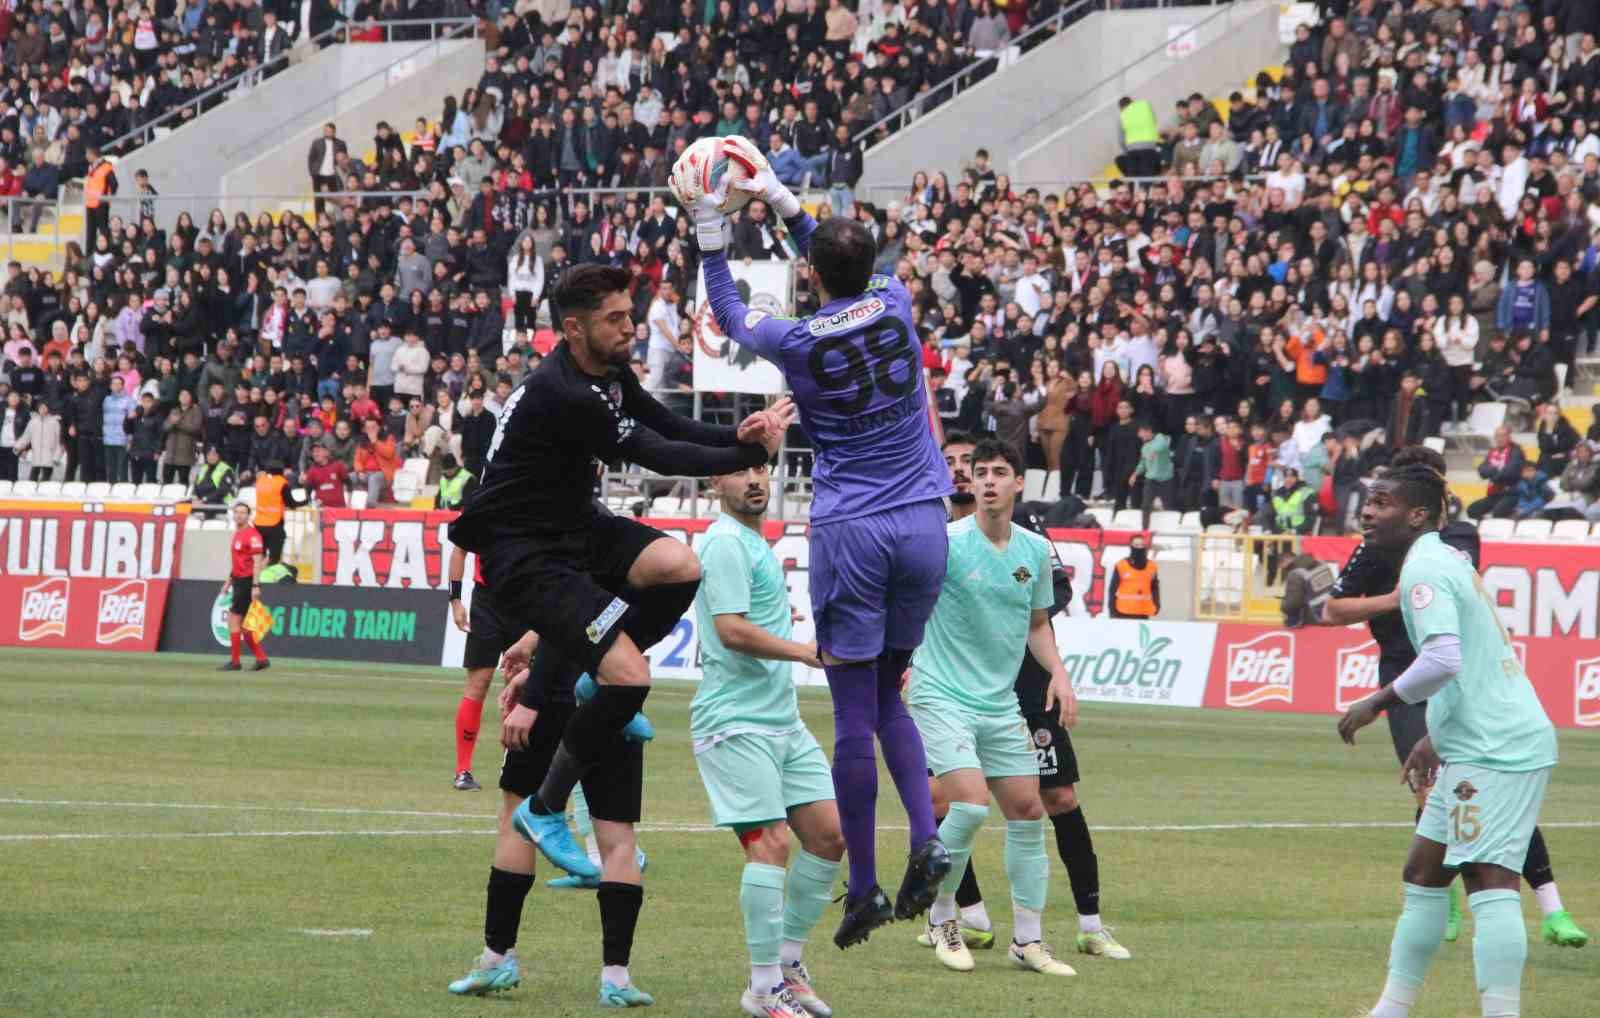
(810, 887)
(959, 832)
(580, 813)
(1417, 937)
(1499, 950)
(761, 901)
(1027, 864)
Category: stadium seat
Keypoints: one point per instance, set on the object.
(98, 489)
(48, 489)
(1480, 425)
(358, 499)
(1570, 530)
(1128, 519)
(174, 491)
(248, 497)
(1165, 520)
(74, 489)
(25, 488)
(1435, 443)
(148, 491)
(1033, 485)
(1101, 515)
(1189, 521)
(1533, 530)
(123, 489)
(221, 524)
(5, 487)
(1496, 529)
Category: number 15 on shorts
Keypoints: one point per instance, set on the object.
(1466, 823)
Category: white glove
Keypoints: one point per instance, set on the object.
(706, 211)
(762, 182)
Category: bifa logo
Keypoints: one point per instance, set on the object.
(1357, 675)
(1586, 682)
(1260, 670)
(852, 317)
(44, 610)
(121, 615)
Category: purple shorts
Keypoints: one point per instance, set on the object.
(875, 578)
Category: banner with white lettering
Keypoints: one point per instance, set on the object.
(720, 364)
(87, 543)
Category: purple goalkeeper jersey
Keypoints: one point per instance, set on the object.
(855, 369)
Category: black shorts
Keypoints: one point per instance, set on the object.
(491, 632)
(568, 587)
(241, 595)
(1408, 723)
(613, 786)
(1052, 748)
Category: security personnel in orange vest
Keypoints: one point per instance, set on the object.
(98, 185)
(1134, 591)
(273, 496)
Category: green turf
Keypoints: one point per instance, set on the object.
(154, 918)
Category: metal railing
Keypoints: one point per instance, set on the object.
(882, 193)
(1240, 577)
(982, 66)
(1124, 81)
(217, 94)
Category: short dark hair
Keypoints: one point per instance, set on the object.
(995, 449)
(1414, 455)
(957, 438)
(1143, 425)
(1419, 486)
(582, 289)
(843, 252)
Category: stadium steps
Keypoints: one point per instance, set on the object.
(1223, 106)
(43, 249)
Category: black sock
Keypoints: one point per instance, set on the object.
(1536, 870)
(1077, 853)
(593, 728)
(968, 894)
(503, 914)
(619, 914)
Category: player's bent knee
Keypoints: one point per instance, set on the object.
(664, 560)
(941, 802)
(624, 665)
(767, 845)
(1059, 800)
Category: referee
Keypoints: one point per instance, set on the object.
(244, 577)
(598, 589)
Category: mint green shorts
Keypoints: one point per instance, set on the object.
(753, 779)
(955, 738)
(1482, 815)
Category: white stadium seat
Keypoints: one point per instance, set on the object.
(1495, 529)
(27, 488)
(1128, 519)
(1533, 530)
(122, 489)
(1101, 515)
(1165, 521)
(1033, 485)
(1570, 530)
(5, 487)
(74, 489)
(147, 491)
(174, 491)
(49, 489)
(98, 489)
(358, 499)
(1190, 520)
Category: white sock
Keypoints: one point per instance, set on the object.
(764, 977)
(491, 958)
(1089, 923)
(616, 975)
(943, 910)
(1027, 925)
(1502, 1004)
(593, 846)
(1548, 897)
(1397, 1000)
(977, 917)
(789, 952)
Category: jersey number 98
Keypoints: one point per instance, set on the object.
(870, 371)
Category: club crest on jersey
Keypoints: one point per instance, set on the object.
(752, 318)
(614, 393)
(1022, 575)
(1421, 596)
(1464, 790)
(1042, 737)
(605, 620)
(852, 317)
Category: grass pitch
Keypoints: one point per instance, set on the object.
(175, 841)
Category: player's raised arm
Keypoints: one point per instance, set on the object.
(764, 184)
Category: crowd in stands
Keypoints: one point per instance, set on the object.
(1357, 276)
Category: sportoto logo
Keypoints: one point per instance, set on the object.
(1586, 682)
(1356, 671)
(1261, 670)
(122, 612)
(44, 610)
(849, 318)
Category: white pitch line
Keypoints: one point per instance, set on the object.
(354, 931)
(245, 808)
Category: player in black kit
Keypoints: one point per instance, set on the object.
(600, 589)
(1052, 747)
(1367, 590)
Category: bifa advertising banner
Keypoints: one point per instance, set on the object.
(313, 621)
(720, 364)
(1328, 669)
(1155, 663)
(84, 579)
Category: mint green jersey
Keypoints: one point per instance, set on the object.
(1487, 715)
(739, 575)
(979, 629)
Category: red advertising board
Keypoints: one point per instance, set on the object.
(86, 580)
(81, 612)
(1324, 670)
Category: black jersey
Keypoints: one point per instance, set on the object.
(539, 477)
(1370, 574)
(1032, 678)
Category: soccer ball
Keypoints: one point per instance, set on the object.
(711, 164)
